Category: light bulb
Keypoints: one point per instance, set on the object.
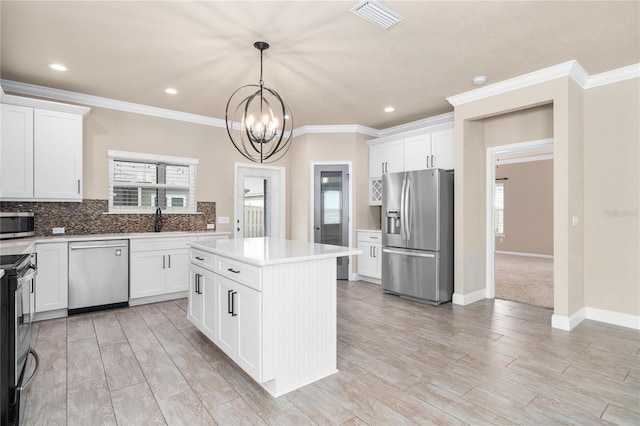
(265, 119)
(250, 120)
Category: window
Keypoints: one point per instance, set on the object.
(498, 209)
(139, 183)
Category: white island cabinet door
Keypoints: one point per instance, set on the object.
(57, 155)
(16, 152)
(210, 304)
(248, 309)
(177, 270)
(227, 327)
(196, 304)
(148, 277)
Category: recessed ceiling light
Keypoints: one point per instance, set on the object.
(389, 109)
(171, 91)
(479, 80)
(57, 67)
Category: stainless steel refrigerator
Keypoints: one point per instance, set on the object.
(417, 234)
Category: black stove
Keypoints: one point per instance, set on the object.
(16, 316)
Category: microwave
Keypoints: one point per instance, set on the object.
(17, 225)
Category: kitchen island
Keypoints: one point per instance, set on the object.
(270, 305)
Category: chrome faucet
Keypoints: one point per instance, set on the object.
(158, 220)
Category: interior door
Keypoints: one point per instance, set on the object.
(331, 209)
(260, 201)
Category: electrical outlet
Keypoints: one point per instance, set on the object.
(574, 220)
(58, 230)
(211, 226)
(224, 219)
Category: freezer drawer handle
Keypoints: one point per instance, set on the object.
(409, 253)
(92, 247)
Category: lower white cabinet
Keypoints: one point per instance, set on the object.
(202, 293)
(239, 312)
(52, 280)
(370, 261)
(159, 266)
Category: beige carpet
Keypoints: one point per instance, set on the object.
(524, 279)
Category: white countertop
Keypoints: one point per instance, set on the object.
(272, 251)
(27, 245)
(369, 230)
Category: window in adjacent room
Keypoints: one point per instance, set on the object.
(140, 183)
(498, 209)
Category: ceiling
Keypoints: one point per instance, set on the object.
(330, 66)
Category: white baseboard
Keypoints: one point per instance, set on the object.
(517, 253)
(158, 298)
(468, 298)
(369, 279)
(614, 318)
(595, 314)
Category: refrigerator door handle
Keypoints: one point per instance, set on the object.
(407, 209)
(408, 253)
(402, 209)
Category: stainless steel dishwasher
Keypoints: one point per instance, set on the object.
(98, 275)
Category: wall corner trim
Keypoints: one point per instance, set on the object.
(468, 298)
(566, 69)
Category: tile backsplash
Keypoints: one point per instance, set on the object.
(88, 217)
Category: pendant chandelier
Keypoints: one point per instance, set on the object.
(259, 122)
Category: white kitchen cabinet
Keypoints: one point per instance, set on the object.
(370, 261)
(275, 306)
(57, 163)
(159, 267)
(202, 293)
(52, 280)
(239, 324)
(386, 158)
(430, 147)
(16, 153)
(41, 150)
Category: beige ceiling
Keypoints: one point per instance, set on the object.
(331, 66)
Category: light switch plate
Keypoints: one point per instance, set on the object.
(211, 226)
(58, 230)
(574, 220)
(223, 219)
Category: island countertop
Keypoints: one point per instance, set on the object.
(272, 251)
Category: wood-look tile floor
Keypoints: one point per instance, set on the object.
(400, 362)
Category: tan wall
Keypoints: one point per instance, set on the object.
(612, 197)
(470, 254)
(519, 126)
(106, 129)
(528, 212)
(339, 147)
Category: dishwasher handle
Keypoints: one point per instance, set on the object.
(95, 247)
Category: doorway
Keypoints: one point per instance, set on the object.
(259, 201)
(331, 195)
(523, 260)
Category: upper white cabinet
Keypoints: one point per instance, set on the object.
(16, 152)
(434, 150)
(386, 158)
(41, 150)
(57, 156)
(430, 147)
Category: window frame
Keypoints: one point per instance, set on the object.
(156, 159)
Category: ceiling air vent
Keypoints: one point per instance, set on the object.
(377, 13)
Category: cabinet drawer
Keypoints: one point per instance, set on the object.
(147, 244)
(202, 258)
(370, 237)
(249, 275)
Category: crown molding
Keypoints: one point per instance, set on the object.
(567, 69)
(613, 76)
(436, 120)
(97, 101)
(337, 128)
